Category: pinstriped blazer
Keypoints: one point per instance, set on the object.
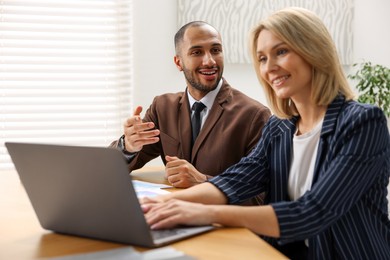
(344, 215)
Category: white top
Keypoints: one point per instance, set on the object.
(304, 156)
(207, 100)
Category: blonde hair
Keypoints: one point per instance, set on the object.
(307, 36)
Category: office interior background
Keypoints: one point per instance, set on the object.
(125, 50)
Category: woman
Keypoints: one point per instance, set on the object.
(323, 159)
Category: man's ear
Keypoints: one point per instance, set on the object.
(177, 61)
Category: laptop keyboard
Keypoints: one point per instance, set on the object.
(163, 233)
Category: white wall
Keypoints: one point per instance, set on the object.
(154, 71)
(371, 35)
(155, 26)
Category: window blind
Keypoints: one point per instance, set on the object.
(65, 71)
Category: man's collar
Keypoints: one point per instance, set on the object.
(207, 100)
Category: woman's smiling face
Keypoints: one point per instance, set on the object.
(288, 74)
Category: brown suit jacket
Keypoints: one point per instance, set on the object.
(231, 130)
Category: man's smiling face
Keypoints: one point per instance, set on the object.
(201, 59)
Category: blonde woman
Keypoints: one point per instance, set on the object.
(323, 159)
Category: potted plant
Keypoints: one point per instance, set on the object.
(373, 84)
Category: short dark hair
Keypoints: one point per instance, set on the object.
(180, 33)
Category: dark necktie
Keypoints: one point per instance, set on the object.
(197, 107)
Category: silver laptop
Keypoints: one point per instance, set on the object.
(87, 191)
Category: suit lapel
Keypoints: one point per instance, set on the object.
(184, 125)
(328, 128)
(283, 160)
(213, 117)
(211, 120)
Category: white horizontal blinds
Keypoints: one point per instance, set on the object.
(65, 71)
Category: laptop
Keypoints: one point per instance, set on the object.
(87, 192)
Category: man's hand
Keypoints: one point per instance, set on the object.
(137, 133)
(182, 174)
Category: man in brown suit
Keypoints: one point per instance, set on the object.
(231, 121)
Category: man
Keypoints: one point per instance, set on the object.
(231, 122)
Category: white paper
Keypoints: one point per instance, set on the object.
(147, 189)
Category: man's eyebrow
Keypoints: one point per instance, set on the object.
(217, 45)
(196, 47)
(202, 47)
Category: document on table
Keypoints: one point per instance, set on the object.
(148, 189)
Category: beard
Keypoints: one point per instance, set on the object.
(196, 84)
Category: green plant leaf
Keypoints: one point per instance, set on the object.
(373, 84)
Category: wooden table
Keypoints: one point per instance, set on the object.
(21, 236)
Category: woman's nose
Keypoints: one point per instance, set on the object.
(271, 65)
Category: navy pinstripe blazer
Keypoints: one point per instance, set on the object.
(345, 214)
